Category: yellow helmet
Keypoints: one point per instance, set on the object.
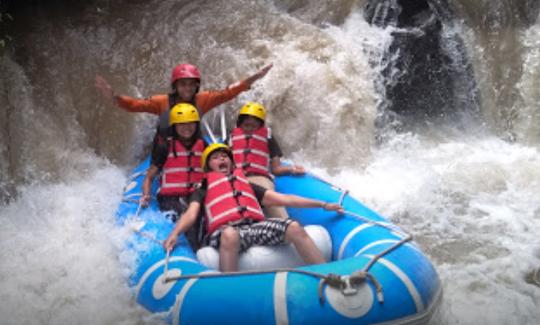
(253, 109)
(211, 148)
(183, 113)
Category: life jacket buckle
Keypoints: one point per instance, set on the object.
(242, 208)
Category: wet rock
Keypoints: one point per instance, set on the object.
(533, 277)
(426, 71)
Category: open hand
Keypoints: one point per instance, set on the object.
(104, 88)
(265, 70)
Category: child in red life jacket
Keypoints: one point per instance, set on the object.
(179, 161)
(258, 153)
(233, 214)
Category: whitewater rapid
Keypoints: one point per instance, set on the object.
(468, 192)
(472, 204)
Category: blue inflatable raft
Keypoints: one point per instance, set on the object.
(377, 274)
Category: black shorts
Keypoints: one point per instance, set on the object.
(270, 232)
(173, 207)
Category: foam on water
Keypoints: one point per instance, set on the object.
(60, 251)
(472, 203)
(469, 198)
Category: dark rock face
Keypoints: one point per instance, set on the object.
(426, 74)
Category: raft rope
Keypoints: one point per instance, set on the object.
(148, 235)
(407, 237)
(342, 197)
(345, 283)
(141, 233)
(166, 271)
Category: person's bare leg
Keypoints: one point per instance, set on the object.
(304, 244)
(228, 250)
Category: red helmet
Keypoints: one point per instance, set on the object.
(185, 71)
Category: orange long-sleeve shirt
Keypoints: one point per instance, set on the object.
(204, 100)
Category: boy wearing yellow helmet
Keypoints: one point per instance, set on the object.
(257, 152)
(179, 162)
(233, 215)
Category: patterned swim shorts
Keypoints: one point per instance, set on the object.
(270, 232)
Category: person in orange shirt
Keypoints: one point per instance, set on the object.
(185, 83)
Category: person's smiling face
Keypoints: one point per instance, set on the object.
(185, 130)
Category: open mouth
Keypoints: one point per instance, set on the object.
(223, 166)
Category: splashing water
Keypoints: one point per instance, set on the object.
(469, 197)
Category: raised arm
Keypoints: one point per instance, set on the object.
(153, 105)
(272, 198)
(185, 222)
(206, 100)
(261, 73)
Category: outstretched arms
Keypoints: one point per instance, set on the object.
(272, 198)
(154, 105)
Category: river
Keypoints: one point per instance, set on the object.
(461, 174)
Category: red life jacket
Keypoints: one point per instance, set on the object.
(229, 198)
(250, 151)
(181, 172)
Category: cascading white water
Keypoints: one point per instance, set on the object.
(469, 198)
